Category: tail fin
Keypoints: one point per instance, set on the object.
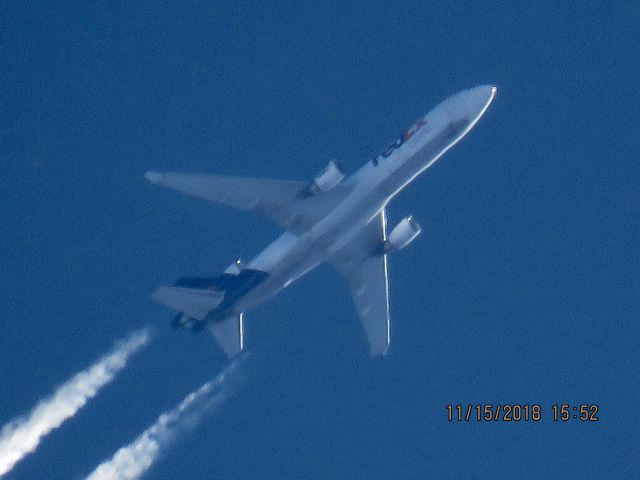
(229, 334)
(195, 303)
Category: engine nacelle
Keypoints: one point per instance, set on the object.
(328, 178)
(402, 235)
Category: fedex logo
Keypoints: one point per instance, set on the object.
(388, 150)
(414, 128)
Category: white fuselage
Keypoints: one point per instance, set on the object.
(371, 188)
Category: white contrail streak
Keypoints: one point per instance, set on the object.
(132, 461)
(23, 435)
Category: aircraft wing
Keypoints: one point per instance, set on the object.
(365, 270)
(282, 201)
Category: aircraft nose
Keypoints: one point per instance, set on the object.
(468, 104)
(488, 92)
(476, 100)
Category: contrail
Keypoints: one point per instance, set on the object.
(23, 435)
(132, 461)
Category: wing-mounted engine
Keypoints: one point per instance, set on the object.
(328, 178)
(402, 235)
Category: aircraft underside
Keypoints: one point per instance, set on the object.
(332, 218)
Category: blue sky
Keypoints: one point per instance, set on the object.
(522, 289)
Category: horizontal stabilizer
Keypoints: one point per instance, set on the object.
(229, 334)
(193, 302)
(200, 283)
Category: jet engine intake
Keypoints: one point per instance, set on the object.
(402, 235)
(328, 178)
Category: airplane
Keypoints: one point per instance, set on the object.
(333, 218)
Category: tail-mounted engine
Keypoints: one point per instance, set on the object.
(402, 235)
(236, 267)
(328, 178)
